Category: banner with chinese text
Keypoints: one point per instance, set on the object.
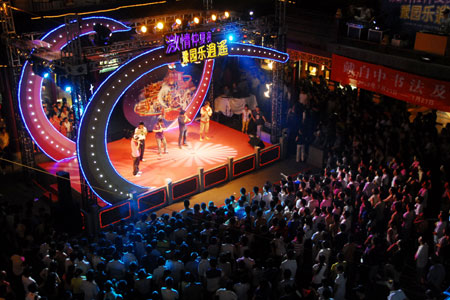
(400, 85)
(413, 15)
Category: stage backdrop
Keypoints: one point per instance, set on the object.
(162, 93)
(393, 83)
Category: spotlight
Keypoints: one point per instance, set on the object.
(178, 21)
(227, 14)
(160, 25)
(143, 29)
(46, 75)
(68, 88)
(196, 20)
(213, 17)
(230, 37)
(250, 13)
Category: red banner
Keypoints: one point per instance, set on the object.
(393, 83)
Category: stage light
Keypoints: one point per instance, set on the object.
(250, 13)
(143, 29)
(178, 21)
(213, 17)
(46, 75)
(160, 25)
(227, 14)
(196, 20)
(68, 88)
(230, 37)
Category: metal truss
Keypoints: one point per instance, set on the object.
(279, 103)
(14, 63)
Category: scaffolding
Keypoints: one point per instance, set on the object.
(278, 100)
(73, 60)
(15, 63)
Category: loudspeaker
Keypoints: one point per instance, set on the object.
(64, 190)
(67, 214)
(254, 141)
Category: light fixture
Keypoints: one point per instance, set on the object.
(227, 14)
(143, 29)
(196, 20)
(160, 25)
(213, 17)
(178, 21)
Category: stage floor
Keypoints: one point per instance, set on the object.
(178, 164)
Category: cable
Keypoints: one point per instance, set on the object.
(99, 11)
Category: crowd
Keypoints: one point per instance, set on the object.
(373, 224)
(62, 117)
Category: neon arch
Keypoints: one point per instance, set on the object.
(49, 140)
(92, 151)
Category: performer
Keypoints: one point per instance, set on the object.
(135, 153)
(159, 135)
(141, 132)
(246, 117)
(259, 120)
(205, 115)
(182, 120)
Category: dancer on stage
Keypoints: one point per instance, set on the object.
(182, 120)
(205, 115)
(141, 132)
(135, 153)
(259, 120)
(159, 135)
(246, 117)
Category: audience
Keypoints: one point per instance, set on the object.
(372, 224)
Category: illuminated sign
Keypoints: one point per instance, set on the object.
(208, 51)
(177, 42)
(194, 46)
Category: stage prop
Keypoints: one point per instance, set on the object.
(230, 106)
(93, 156)
(50, 140)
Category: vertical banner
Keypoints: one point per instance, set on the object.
(404, 86)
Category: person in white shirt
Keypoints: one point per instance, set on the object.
(290, 263)
(421, 258)
(167, 292)
(396, 293)
(257, 196)
(116, 268)
(141, 132)
(267, 195)
(226, 293)
(158, 272)
(205, 115)
(339, 284)
(246, 117)
(89, 287)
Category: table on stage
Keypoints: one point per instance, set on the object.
(229, 106)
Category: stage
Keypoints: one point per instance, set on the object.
(178, 164)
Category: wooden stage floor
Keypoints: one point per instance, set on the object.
(178, 164)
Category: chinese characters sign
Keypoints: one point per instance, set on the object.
(396, 84)
(208, 51)
(195, 46)
(418, 14)
(177, 42)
